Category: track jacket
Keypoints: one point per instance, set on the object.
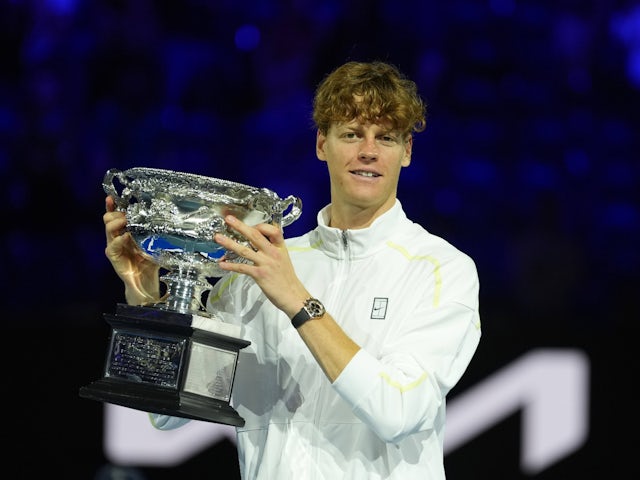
(410, 300)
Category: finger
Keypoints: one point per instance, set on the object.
(110, 204)
(114, 224)
(271, 232)
(234, 246)
(249, 233)
(259, 236)
(111, 219)
(236, 224)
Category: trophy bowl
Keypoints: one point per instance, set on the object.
(173, 217)
(173, 357)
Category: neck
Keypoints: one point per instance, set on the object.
(354, 218)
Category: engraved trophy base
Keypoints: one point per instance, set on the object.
(170, 363)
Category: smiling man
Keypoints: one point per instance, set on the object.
(360, 327)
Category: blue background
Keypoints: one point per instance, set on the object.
(529, 163)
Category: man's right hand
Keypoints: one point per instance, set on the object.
(135, 268)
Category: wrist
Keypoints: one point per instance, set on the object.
(311, 309)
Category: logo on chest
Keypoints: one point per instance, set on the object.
(379, 308)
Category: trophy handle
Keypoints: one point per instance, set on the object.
(294, 213)
(110, 188)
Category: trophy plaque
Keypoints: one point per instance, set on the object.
(174, 357)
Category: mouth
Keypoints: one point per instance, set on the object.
(364, 173)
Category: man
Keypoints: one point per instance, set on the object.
(360, 327)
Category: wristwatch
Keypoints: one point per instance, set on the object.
(313, 308)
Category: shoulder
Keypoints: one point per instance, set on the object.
(300, 241)
(422, 248)
(428, 242)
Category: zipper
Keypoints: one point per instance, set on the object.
(321, 399)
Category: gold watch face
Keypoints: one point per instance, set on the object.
(314, 307)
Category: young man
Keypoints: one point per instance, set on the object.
(360, 327)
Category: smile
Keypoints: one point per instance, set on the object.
(365, 174)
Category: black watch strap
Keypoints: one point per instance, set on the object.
(299, 318)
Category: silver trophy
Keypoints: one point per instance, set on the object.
(173, 357)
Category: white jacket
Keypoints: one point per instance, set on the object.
(410, 300)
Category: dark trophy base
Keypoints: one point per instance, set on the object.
(159, 363)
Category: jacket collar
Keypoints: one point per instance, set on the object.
(360, 242)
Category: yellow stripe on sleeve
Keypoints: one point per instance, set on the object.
(428, 258)
(399, 386)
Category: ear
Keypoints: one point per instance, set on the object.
(408, 146)
(320, 142)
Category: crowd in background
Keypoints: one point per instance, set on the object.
(529, 161)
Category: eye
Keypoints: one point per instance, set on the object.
(388, 139)
(350, 135)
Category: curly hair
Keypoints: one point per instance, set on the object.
(370, 92)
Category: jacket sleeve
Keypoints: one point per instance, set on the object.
(403, 389)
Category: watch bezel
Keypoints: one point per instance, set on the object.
(314, 307)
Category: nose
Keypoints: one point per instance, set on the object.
(368, 149)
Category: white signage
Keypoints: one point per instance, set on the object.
(549, 386)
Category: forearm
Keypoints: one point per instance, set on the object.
(394, 399)
(328, 343)
(402, 390)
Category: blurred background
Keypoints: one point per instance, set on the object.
(529, 164)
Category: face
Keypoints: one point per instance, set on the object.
(364, 162)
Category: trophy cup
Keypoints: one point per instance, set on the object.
(173, 357)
